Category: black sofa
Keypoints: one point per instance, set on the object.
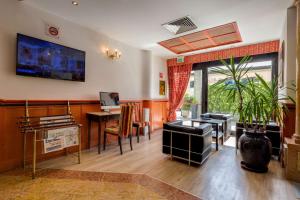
(226, 117)
(192, 144)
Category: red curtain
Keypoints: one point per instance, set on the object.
(178, 81)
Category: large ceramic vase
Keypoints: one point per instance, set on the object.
(256, 150)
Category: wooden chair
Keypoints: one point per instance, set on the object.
(123, 129)
(140, 122)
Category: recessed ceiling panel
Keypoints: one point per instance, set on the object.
(223, 39)
(198, 36)
(202, 44)
(180, 48)
(222, 30)
(213, 37)
(172, 42)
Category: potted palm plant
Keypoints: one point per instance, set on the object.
(233, 85)
(257, 103)
(263, 108)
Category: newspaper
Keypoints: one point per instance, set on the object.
(71, 136)
(53, 144)
(58, 139)
(55, 119)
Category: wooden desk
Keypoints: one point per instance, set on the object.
(99, 117)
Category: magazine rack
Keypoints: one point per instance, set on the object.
(51, 130)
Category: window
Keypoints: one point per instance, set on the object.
(192, 84)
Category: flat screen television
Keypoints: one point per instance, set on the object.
(109, 100)
(40, 58)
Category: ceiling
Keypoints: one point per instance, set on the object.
(138, 22)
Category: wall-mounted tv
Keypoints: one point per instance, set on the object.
(40, 58)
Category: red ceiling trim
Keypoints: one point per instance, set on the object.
(251, 50)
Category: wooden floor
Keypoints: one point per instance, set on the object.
(219, 178)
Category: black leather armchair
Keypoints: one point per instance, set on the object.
(192, 144)
(226, 117)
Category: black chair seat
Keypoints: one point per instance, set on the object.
(192, 144)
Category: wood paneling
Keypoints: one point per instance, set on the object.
(157, 115)
(158, 112)
(84, 109)
(289, 119)
(291, 160)
(11, 140)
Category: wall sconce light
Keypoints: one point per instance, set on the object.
(116, 54)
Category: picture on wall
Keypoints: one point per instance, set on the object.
(162, 88)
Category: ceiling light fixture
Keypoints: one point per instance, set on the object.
(75, 3)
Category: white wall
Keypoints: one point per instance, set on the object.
(289, 38)
(159, 65)
(130, 75)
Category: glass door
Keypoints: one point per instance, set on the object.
(218, 103)
(192, 102)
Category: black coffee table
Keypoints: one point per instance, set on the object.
(214, 122)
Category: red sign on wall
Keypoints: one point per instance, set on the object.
(161, 75)
(52, 31)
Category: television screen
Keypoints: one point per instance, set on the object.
(109, 99)
(44, 59)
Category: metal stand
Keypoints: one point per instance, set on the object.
(40, 125)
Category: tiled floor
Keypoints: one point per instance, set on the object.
(75, 185)
(230, 141)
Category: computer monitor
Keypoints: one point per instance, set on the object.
(109, 100)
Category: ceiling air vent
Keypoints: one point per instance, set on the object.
(180, 25)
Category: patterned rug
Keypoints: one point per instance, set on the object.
(66, 184)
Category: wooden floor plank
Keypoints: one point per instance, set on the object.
(220, 177)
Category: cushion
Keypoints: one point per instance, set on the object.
(138, 123)
(178, 126)
(141, 124)
(113, 130)
(216, 116)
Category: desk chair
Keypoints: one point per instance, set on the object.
(123, 129)
(140, 122)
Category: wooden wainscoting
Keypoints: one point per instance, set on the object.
(158, 112)
(11, 140)
(288, 130)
